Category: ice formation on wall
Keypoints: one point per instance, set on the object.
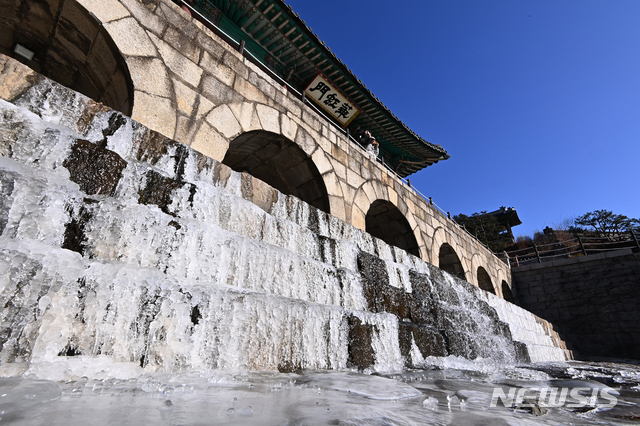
(120, 246)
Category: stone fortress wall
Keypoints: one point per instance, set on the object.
(592, 299)
(120, 242)
(186, 83)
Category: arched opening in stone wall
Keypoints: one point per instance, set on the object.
(61, 40)
(280, 163)
(484, 280)
(450, 262)
(386, 222)
(507, 294)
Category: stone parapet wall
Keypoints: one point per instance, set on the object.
(191, 86)
(594, 300)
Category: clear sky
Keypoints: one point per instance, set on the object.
(536, 101)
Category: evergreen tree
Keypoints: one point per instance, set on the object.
(605, 222)
(486, 228)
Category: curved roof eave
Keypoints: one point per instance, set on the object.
(357, 81)
(290, 48)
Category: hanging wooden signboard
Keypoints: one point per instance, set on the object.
(327, 97)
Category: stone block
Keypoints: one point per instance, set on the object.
(182, 43)
(105, 10)
(288, 127)
(187, 70)
(370, 192)
(324, 130)
(246, 115)
(114, 87)
(310, 118)
(185, 129)
(220, 71)
(211, 44)
(362, 201)
(130, 37)
(221, 174)
(152, 147)
(377, 171)
(339, 155)
(358, 218)
(101, 59)
(337, 205)
(76, 29)
(155, 112)
(269, 118)
(333, 138)
(249, 91)
(223, 120)
(290, 103)
(218, 92)
(146, 17)
(263, 195)
(38, 17)
(95, 169)
(341, 171)
(321, 141)
(233, 60)
(190, 102)
(353, 179)
(303, 139)
(321, 162)
(286, 159)
(15, 78)
(75, 237)
(380, 192)
(176, 17)
(460, 344)
(150, 75)
(262, 85)
(360, 350)
(159, 190)
(210, 143)
(364, 172)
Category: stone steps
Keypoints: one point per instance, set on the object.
(142, 316)
(78, 177)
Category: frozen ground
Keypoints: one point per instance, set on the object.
(441, 396)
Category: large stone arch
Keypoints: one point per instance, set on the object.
(480, 275)
(69, 45)
(385, 221)
(279, 162)
(442, 237)
(373, 191)
(507, 292)
(450, 262)
(484, 280)
(227, 127)
(500, 276)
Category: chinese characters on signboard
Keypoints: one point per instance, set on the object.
(331, 100)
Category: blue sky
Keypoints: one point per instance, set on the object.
(536, 101)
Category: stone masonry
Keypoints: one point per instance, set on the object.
(594, 300)
(192, 87)
(262, 264)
